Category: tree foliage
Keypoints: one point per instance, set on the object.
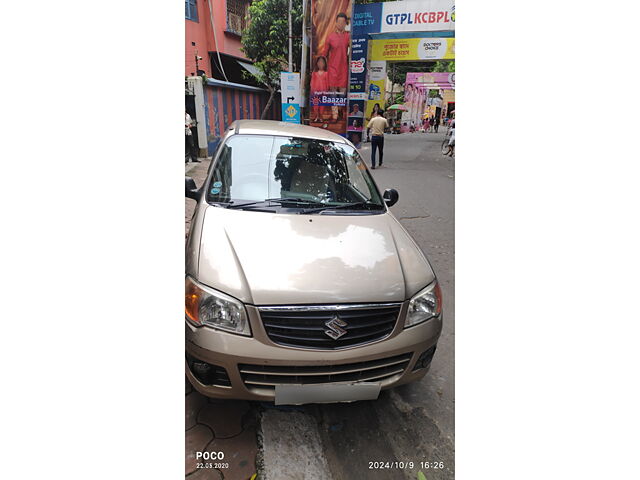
(445, 66)
(266, 40)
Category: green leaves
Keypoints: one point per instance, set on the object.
(445, 66)
(421, 476)
(266, 40)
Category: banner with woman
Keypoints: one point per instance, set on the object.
(330, 43)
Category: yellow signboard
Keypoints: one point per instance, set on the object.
(413, 49)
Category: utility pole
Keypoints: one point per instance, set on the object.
(303, 61)
(290, 41)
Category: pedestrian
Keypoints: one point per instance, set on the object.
(436, 123)
(189, 146)
(377, 124)
(376, 109)
(452, 139)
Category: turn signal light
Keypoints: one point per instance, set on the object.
(192, 302)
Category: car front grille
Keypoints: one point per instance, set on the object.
(306, 326)
(268, 376)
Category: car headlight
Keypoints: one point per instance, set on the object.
(426, 304)
(205, 306)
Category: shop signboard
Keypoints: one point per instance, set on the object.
(418, 16)
(412, 49)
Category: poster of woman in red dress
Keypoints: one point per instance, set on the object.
(330, 44)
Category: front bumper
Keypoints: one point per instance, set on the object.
(228, 351)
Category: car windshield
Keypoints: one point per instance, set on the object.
(293, 172)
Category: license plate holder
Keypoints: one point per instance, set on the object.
(326, 393)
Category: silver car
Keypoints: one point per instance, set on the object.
(300, 285)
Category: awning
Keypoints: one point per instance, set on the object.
(249, 68)
(238, 86)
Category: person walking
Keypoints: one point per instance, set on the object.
(376, 109)
(452, 139)
(436, 123)
(377, 124)
(189, 146)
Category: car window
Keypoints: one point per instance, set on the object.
(242, 170)
(255, 168)
(357, 179)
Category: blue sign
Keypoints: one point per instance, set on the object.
(291, 112)
(366, 18)
(358, 70)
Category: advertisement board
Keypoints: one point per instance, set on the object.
(413, 49)
(330, 43)
(366, 20)
(290, 89)
(415, 99)
(418, 16)
(433, 80)
(377, 84)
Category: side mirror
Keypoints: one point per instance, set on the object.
(190, 189)
(390, 197)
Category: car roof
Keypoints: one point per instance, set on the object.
(273, 127)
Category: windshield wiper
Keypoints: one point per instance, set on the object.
(368, 205)
(278, 200)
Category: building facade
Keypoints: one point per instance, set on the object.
(219, 88)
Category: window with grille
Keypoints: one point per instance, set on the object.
(191, 10)
(237, 12)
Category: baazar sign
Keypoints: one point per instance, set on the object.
(328, 100)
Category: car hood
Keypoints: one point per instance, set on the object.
(283, 259)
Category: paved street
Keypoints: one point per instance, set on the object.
(414, 422)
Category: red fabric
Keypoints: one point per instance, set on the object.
(338, 60)
(320, 81)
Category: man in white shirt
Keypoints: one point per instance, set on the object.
(377, 124)
(452, 139)
(189, 146)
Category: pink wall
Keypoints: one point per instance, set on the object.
(228, 43)
(201, 33)
(198, 32)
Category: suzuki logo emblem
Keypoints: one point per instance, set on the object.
(334, 325)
